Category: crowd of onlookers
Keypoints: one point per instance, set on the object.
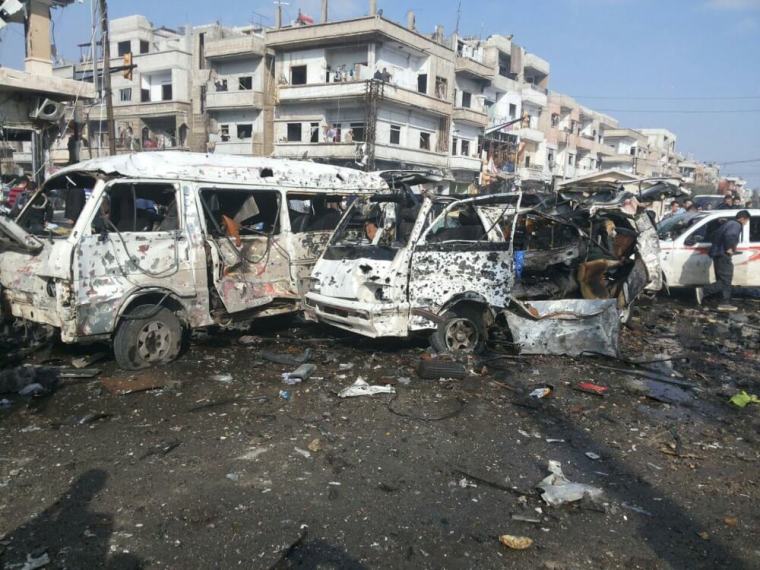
(688, 206)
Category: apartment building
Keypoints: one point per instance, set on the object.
(663, 159)
(576, 143)
(152, 108)
(518, 90)
(233, 82)
(630, 151)
(32, 100)
(699, 177)
(363, 90)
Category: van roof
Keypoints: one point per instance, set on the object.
(222, 168)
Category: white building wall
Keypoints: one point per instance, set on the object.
(403, 67)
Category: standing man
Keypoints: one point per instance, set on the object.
(723, 247)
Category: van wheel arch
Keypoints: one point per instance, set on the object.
(151, 330)
(463, 327)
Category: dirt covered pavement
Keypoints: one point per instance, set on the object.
(205, 463)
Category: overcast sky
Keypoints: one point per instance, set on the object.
(649, 63)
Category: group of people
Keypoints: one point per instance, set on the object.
(722, 249)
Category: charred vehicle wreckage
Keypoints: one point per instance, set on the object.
(138, 249)
(559, 275)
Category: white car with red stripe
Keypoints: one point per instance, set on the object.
(685, 246)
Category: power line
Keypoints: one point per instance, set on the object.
(681, 111)
(653, 98)
(741, 161)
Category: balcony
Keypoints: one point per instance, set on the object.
(535, 172)
(532, 61)
(152, 109)
(218, 100)
(347, 152)
(471, 116)
(351, 32)
(476, 69)
(244, 147)
(357, 90)
(534, 94)
(584, 143)
(236, 46)
(465, 163)
(529, 134)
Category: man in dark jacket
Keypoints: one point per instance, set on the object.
(724, 243)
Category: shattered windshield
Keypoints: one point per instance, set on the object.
(55, 210)
(378, 221)
(671, 228)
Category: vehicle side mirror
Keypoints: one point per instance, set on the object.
(694, 239)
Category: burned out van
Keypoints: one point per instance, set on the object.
(561, 279)
(140, 248)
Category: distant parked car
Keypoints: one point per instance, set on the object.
(685, 243)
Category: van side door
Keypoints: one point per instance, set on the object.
(458, 255)
(747, 258)
(249, 264)
(692, 252)
(135, 240)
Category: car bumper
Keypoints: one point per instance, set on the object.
(368, 319)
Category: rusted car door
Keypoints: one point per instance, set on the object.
(460, 255)
(136, 240)
(250, 264)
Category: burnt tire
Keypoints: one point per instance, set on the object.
(462, 329)
(147, 336)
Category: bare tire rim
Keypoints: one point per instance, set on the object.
(461, 335)
(154, 341)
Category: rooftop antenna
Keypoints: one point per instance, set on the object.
(459, 16)
(278, 19)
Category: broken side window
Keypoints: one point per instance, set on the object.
(461, 223)
(55, 210)
(236, 212)
(310, 213)
(139, 207)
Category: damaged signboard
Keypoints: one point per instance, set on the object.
(401, 263)
(140, 248)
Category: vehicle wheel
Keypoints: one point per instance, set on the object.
(462, 330)
(147, 336)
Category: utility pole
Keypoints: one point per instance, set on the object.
(107, 76)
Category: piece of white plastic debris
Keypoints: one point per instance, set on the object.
(253, 453)
(224, 378)
(361, 388)
(593, 456)
(303, 452)
(558, 490)
(34, 562)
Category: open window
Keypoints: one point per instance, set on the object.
(245, 83)
(310, 213)
(298, 75)
(55, 210)
(235, 213)
(137, 207)
(461, 223)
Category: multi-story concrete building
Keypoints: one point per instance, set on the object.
(663, 159)
(368, 80)
(31, 100)
(576, 142)
(152, 109)
(518, 90)
(234, 84)
(630, 152)
(364, 92)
